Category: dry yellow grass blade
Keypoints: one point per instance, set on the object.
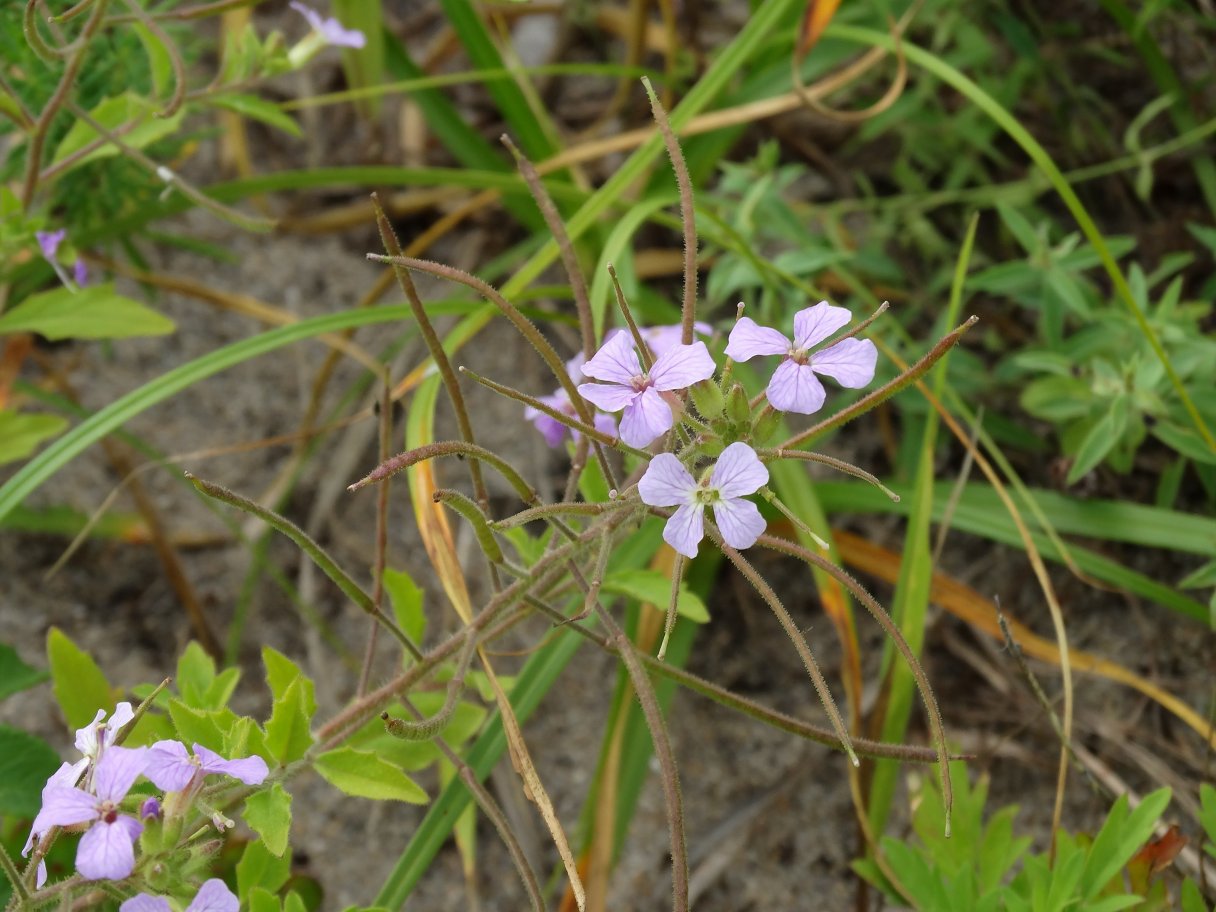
(964, 602)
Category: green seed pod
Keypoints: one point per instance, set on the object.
(737, 406)
(765, 424)
(708, 399)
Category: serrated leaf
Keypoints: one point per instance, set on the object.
(244, 739)
(655, 588)
(95, 312)
(268, 813)
(365, 775)
(406, 599)
(287, 732)
(222, 688)
(257, 109)
(282, 672)
(262, 900)
(26, 763)
(258, 868)
(21, 432)
(113, 113)
(15, 675)
(80, 687)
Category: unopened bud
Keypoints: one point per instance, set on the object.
(708, 399)
(765, 424)
(737, 407)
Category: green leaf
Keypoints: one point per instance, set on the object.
(26, 763)
(262, 900)
(366, 775)
(282, 672)
(222, 688)
(79, 686)
(406, 599)
(655, 588)
(287, 732)
(1100, 440)
(1202, 578)
(113, 113)
(259, 868)
(15, 675)
(160, 64)
(246, 738)
(20, 433)
(96, 312)
(1120, 838)
(268, 813)
(257, 109)
(196, 726)
(1192, 899)
(294, 903)
(1055, 398)
(195, 674)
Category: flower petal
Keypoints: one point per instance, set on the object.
(49, 241)
(550, 428)
(142, 902)
(681, 366)
(213, 896)
(738, 471)
(117, 771)
(850, 362)
(86, 738)
(615, 362)
(250, 770)
(739, 521)
(611, 397)
(662, 338)
(814, 324)
(107, 850)
(65, 777)
(666, 482)
(334, 33)
(169, 766)
(605, 424)
(685, 529)
(646, 418)
(795, 388)
(63, 806)
(749, 339)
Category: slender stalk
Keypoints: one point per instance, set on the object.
(669, 622)
(838, 464)
(688, 312)
(477, 519)
(458, 448)
(884, 620)
(627, 313)
(545, 511)
(379, 562)
(309, 546)
(20, 892)
(884, 392)
(578, 282)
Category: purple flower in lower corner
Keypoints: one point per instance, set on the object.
(555, 431)
(330, 29)
(107, 850)
(626, 387)
(794, 386)
(172, 768)
(737, 472)
(212, 896)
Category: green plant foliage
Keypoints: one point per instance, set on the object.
(96, 312)
(26, 763)
(79, 685)
(16, 675)
(363, 774)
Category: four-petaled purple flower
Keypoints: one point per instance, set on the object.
(172, 768)
(737, 472)
(647, 413)
(794, 386)
(553, 430)
(330, 29)
(107, 850)
(212, 896)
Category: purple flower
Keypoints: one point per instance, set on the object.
(93, 739)
(794, 386)
(331, 29)
(80, 272)
(660, 338)
(553, 430)
(66, 776)
(150, 809)
(107, 850)
(172, 768)
(737, 472)
(647, 413)
(49, 241)
(212, 896)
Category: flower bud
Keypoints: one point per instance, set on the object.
(707, 397)
(737, 407)
(765, 424)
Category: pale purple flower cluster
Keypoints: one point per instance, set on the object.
(212, 896)
(107, 848)
(331, 30)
